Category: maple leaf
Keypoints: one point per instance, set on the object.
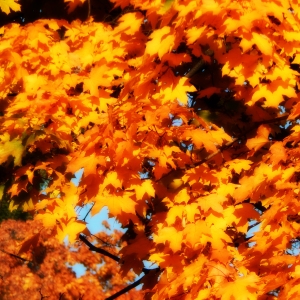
(239, 164)
(261, 139)
(129, 23)
(146, 188)
(201, 139)
(7, 5)
(160, 39)
(72, 229)
(175, 212)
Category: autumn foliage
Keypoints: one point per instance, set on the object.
(184, 117)
(43, 268)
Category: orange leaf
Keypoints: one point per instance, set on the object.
(260, 140)
(278, 153)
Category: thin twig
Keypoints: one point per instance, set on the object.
(88, 212)
(89, 9)
(253, 225)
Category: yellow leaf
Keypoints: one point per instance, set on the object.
(173, 88)
(260, 40)
(238, 165)
(7, 5)
(145, 188)
(111, 179)
(273, 93)
(242, 288)
(28, 205)
(12, 205)
(182, 196)
(212, 201)
(194, 33)
(11, 148)
(72, 230)
(156, 39)
(129, 23)
(116, 204)
(174, 212)
(196, 233)
(169, 235)
(49, 219)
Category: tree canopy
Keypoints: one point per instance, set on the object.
(184, 116)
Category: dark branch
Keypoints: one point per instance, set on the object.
(16, 256)
(281, 118)
(98, 250)
(253, 225)
(127, 289)
(195, 68)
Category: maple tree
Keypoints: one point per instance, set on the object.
(42, 270)
(183, 116)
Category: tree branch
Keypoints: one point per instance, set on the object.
(98, 250)
(127, 289)
(195, 68)
(16, 256)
